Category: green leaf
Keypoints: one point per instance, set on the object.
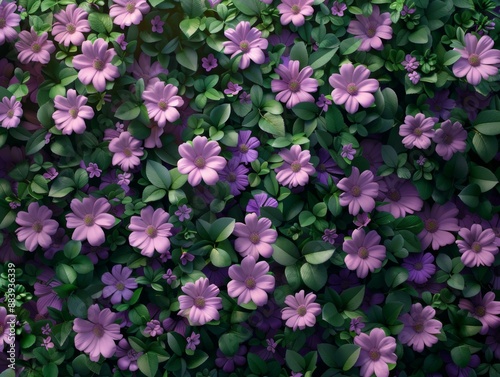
(152, 193)
(197, 359)
(327, 353)
(66, 274)
(148, 364)
(395, 276)
(444, 262)
(485, 146)
(389, 156)
(299, 52)
(128, 110)
(193, 8)
(332, 316)
(451, 57)
(72, 249)
(353, 297)
(461, 355)
(317, 252)
(189, 26)
(306, 110)
(306, 218)
(420, 36)
(221, 229)
(470, 195)
(295, 361)
(250, 7)
(314, 276)
(229, 343)
(100, 22)
(285, 252)
(176, 343)
(483, 177)
(188, 58)
(273, 124)
(158, 175)
(391, 312)
(413, 224)
(349, 45)
(487, 122)
(36, 142)
(322, 57)
(61, 187)
(347, 355)
(220, 114)
(50, 370)
(456, 281)
(220, 258)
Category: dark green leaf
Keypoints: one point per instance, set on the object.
(486, 146)
(158, 175)
(148, 364)
(314, 276)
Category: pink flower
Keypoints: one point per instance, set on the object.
(449, 139)
(250, 281)
(301, 311)
(128, 12)
(478, 59)
(371, 30)
(420, 327)
(33, 47)
(70, 25)
(200, 304)
(353, 87)
(485, 309)
(296, 167)
(294, 11)
(294, 86)
(94, 64)
(201, 160)
(377, 350)
(97, 336)
(360, 191)
(161, 101)
(10, 112)
(150, 231)
(232, 89)
(364, 252)
(417, 131)
(255, 237)
(36, 226)
(477, 246)
(88, 218)
(10, 21)
(71, 112)
(126, 151)
(247, 42)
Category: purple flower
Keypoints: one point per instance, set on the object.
(128, 12)
(338, 8)
(255, 237)
(414, 77)
(449, 139)
(323, 102)
(441, 104)
(266, 317)
(417, 131)
(472, 102)
(329, 235)
(453, 370)
(186, 257)
(401, 196)
(439, 221)
(157, 25)
(259, 201)
(126, 151)
(193, 341)
(485, 309)
(46, 330)
(71, 113)
(201, 160)
(377, 350)
(362, 219)
(364, 252)
(143, 69)
(122, 42)
(183, 212)
(169, 276)
(200, 304)
(348, 152)
(296, 168)
(127, 356)
(245, 149)
(371, 30)
(153, 328)
(360, 191)
(294, 86)
(47, 343)
(493, 341)
(301, 311)
(150, 231)
(477, 247)
(70, 25)
(119, 284)
(353, 87)
(357, 325)
(162, 102)
(33, 47)
(246, 41)
(232, 89)
(36, 226)
(236, 176)
(94, 64)
(294, 11)
(420, 327)
(410, 63)
(97, 336)
(420, 267)
(326, 167)
(88, 218)
(478, 59)
(45, 293)
(209, 62)
(11, 20)
(5, 320)
(405, 11)
(228, 363)
(10, 112)
(245, 98)
(93, 170)
(250, 281)
(176, 323)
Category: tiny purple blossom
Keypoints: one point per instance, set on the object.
(46, 330)
(348, 152)
(357, 325)
(47, 343)
(153, 328)
(323, 102)
(406, 11)
(93, 170)
(169, 276)
(450, 139)
(122, 42)
(410, 63)
(421, 160)
(209, 63)
(414, 77)
(232, 89)
(245, 98)
(119, 284)
(157, 25)
(127, 356)
(338, 8)
(329, 235)
(51, 174)
(183, 212)
(193, 341)
(186, 257)
(362, 219)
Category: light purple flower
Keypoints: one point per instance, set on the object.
(414, 77)
(186, 257)
(410, 63)
(93, 170)
(294, 86)
(126, 151)
(323, 102)
(150, 231)
(439, 221)
(406, 11)
(232, 89)
(357, 325)
(11, 112)
(97, 336)
(201, 160)
(11, 21)
(122, 42)
(417, 131)
(36, 226)
(420, 267)
(420, 327)
(47, 343)
(157, 25)
(441, 104)
(246, 41)
(94, 64)
(329, 235)
(301, 311)
(371, 30)
(70, 25)
(338, 8)
(71, 113)
(377, 350)
(485, 309)
(294, 11)
(162, 102)
(401, 196)
(209, 62)
(245, 149)
(296, 168)
(362, 219)
(360, 191)
(348, 152)
(236, 176)
(478, 59)
(260, 200)
(33, 47)
(192, 341)
(200, 304)
(153, 328)
(255, 237)
(449, 139)
(5, 320)
(169, 276)
(127, 356)
(128, 12)
(364, 252)
(88, 218)
(477, 246)
(119, 284)
(144, 69)
(183, 212)
(250, 281)
(353, 87)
